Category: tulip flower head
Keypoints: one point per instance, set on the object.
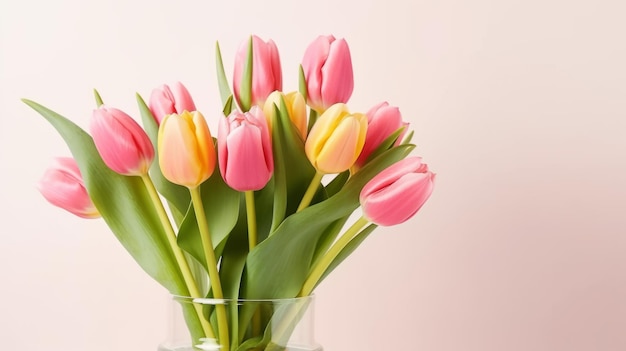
(267, 73)
(336, 139)
(123, 145)
(245, 150)
(186, 149)
(398, 192)
(166, 100)
(296, 109)
(382, 121)
(327, 66)
(62, 185)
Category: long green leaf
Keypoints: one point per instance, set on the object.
(222, 81)
(123, 203)
(278, 266)
(245, 94)
(348, 250)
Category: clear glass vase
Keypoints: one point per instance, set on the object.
(259, 325)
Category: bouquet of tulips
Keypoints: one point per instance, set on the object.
(273, 220)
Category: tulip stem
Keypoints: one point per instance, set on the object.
(251, 213)
(211, 261)
(310, 191)
(178, 253)
(322, 265)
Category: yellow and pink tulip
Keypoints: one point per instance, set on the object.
(186, 150)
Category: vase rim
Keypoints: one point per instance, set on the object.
(214, 301)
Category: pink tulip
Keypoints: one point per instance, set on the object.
(267, 73)
(398, 192)
(166, 100)
(328, 72)
(245, 150)
(122, 144)
(62, 185)
(382, 121)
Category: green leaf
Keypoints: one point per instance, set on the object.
(221, 204)
(278, 266)
(222, 81)
(348, 250)
(312, 119)
(228, 106)
(407, 139)
(177, 196)
(245, 94)
(290, 185)
(96, 95)
(124, 204)
(302, 84)
(386, 144)
(337, 183)
(327, 239)
(234, 255)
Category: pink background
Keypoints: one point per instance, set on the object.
(519, 106)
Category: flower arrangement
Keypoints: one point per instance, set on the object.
(263, 210)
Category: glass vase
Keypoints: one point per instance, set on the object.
(259, 325)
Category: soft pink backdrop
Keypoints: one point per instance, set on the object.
(519, 106)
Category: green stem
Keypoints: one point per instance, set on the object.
(310, 191)
(190, 282)
(211, 261)
(252, 241)
(322, 265)
(251, 213)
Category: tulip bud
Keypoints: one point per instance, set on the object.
(336, 139)
(267, 73)
(327, 66)
(186, 149)
(296, 109)
(123, 145)
(398, 192)
(245, 150)
(382, 121)
(166, 100)
(62, 185)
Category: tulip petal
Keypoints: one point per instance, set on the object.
(182, 99)
(339, 77)
(315, 56)
(398, 192)
(185, 149)
(342, 147)
(245, 150)
(62, 185)
(245, 156)
(399, 201)
(122, 143)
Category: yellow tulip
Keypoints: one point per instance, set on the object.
(336, 139)
(296, 109)
(186, 150)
